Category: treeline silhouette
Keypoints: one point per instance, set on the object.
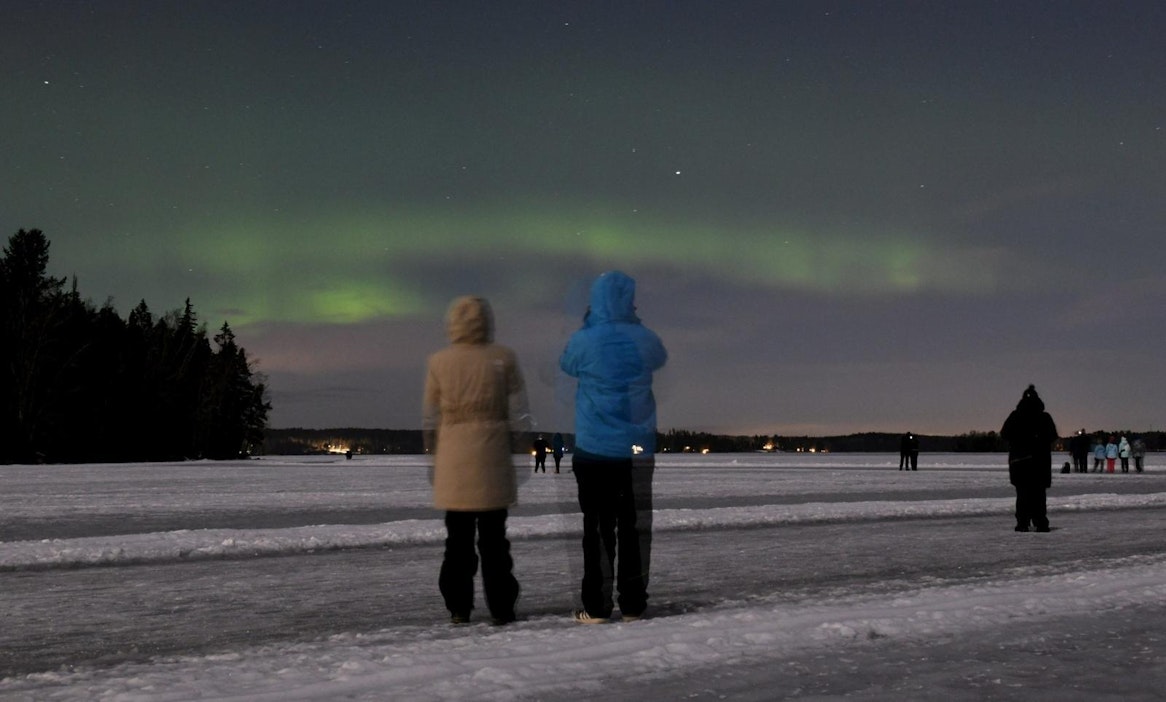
(79, 384)
(298, 441)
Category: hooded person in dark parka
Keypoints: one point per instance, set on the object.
(1030, 433)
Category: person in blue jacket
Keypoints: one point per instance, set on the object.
(1098, 454)
(613, 358)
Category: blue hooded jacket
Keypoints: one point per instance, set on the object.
(613, 357)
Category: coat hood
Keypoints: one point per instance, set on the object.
(469, 320)
(613, 299)
(1030, 401)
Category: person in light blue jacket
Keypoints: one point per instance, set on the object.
(613, 358)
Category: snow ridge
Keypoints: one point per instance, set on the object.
(171, 546)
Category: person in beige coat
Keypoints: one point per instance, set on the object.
(474, 399)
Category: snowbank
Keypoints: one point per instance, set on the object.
(236, 543)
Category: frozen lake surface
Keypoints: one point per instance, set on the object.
(774, 576)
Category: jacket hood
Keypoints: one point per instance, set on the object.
(1030, 401)
(469, 320)
(613, 299)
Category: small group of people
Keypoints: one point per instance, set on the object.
(540, 448)
(475, 407)
(1107, 451)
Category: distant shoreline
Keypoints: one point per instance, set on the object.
(365, 441)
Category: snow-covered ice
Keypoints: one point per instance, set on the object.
(774, 576)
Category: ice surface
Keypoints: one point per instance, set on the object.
(775, 576)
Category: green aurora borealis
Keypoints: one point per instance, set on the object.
(346, 270)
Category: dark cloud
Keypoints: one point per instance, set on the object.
(860, 215)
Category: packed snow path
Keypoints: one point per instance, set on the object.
(771, 590)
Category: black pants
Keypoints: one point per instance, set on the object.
(1080, 463)
(1031, 507)
(558, 460)
(461, 563)
(608, 500)
(540, 461)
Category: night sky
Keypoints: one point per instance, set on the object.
(842, 216)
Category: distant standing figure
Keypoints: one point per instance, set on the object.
(1098, 455)
(474, 398)
(1030, 433)
(540, 447)
(1079, 450)
(1110, 454)
(1123, 452)
(558, 446)
(613, 358)
(909, 452)
(1138, 450)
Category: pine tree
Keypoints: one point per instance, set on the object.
(30, 312)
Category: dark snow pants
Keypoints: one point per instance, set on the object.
(607, 499)
(456, 580)
(1031, 507)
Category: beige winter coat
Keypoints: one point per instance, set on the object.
(474, 399)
